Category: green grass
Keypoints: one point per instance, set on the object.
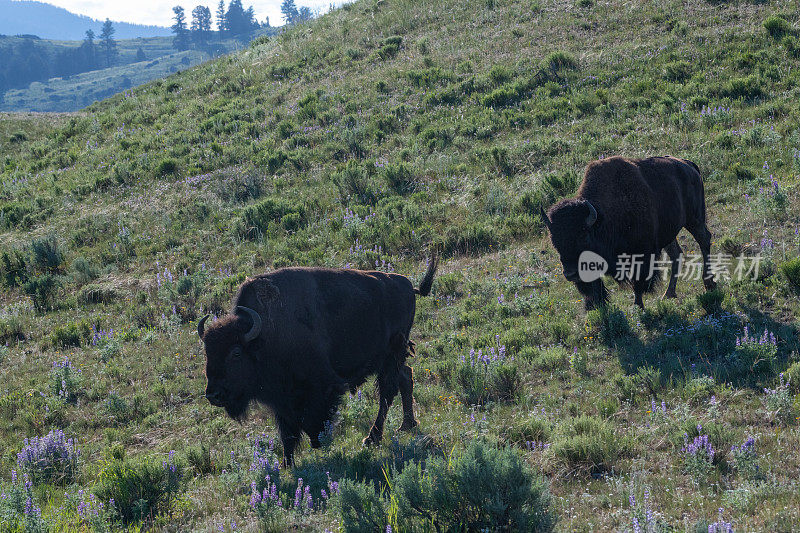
(367, 137)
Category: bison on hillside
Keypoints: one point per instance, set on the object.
(298, 338)
(627, 209)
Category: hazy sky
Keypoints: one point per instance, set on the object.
(159, 12)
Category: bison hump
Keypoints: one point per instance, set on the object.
(264, 290)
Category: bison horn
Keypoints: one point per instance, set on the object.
(592, 218)
(544, 216)
(256, 318)
(201, 326)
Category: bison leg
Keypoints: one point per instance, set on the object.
(388, 385)
(703, 238)
(406, 394)
(674, 252)
(319, 408)
(640, 287)
(289, 431)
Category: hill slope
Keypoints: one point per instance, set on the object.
(24, 17)
(365, 138)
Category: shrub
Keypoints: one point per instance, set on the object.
(390, 47)
(745, 460)
(47, 254)
(400, 178)
(95, 293)
(792, 375)
(470, 239)
(746, 87)
(18, 137)
(362, 509)
(529, 430)
(72, 334)
(49, 459)
(698, 456)
(43, 289)
(678, 70)
(588, 444)
(483, 488)
(560, 61)
(777, 26)
(83, 270)
(65, 380)
(791, 270)
(711, 301)
(611, 324)
(255, 219)
(353, 181)
(13, 268)
(753, 360)
(166, 167)
(18, 508)
(200, 460)
(11, 330)
(778, 402)
(490, 376)
(140, 489)
(499, 74)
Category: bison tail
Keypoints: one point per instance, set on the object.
(427, 282)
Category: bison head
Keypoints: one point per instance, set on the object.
(230, 366)
(569, 223)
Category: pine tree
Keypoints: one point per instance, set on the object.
(221, 24)
(289, 11)
(88, 52)
(235, 18)
(107, 42)
(140, 55)
(250, 19)
(201, 24)
(304, 14)
(181, 40)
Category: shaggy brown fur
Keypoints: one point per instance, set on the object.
(641, 205)
(323, 331)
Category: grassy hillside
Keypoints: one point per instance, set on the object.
(76, 92)
(366, 138)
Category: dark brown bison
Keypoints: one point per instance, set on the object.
(629, 208)
(298, 338)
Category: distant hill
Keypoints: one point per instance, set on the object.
(51, 22)
(56, 87)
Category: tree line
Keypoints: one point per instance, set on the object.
(28, 60)
(233, 21)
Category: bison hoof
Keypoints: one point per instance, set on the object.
(668, 295)
(710, 284)
(409, 424)
(371, 439)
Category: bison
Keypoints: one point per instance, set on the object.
(298, 338)
(629, 208)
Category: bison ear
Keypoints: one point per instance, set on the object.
(592, 218)
(544, 216)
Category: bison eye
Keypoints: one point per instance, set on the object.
(236, 351)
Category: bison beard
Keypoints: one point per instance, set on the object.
(632, 207)
(299, 338)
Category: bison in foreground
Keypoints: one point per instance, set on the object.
(298, 338)
(629, 208)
